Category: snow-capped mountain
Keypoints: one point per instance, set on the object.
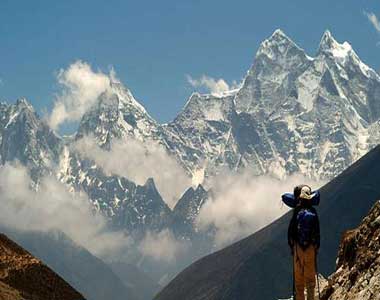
(27, 139)
(293, 113)
(201, 135)
(117, 114)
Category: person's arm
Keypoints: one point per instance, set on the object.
(316, 197)
(291, 234)
(289, 200)
(317, 234)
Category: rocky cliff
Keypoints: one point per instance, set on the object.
(358, 264)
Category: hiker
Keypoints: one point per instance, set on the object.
(303, 239)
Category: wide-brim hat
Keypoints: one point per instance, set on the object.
(306, 192)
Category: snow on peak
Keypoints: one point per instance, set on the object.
(221, 94)
(120, 97)
(278, 33)
(329, 45)
(343, 53)
(327, 36)
(327, 41)
(277, 44)
(23, 103)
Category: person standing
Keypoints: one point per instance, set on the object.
(304, 239)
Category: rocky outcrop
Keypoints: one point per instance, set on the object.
(22, 276)
(358, 265)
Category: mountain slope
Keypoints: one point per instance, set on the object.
(22, 276)
(259, 266)
(358, 265)
(85, 272)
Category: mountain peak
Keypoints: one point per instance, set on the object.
(327, 41)
(329, 45)
(126, 97)
(327, 35)
(277, 44)
(200, 189)
(23, 103)
(278, 33)
(150, 185)
(277, 37)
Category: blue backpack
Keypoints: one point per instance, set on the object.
(307, 227)
(304, 225)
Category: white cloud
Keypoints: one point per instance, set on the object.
(54, 208)
(214, 86)
(244, 203)
(162, 246)
(81, 87)
(374, 20)
(139, 161)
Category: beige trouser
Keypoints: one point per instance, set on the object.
(304, 272)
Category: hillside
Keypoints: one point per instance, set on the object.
(85, 272)
(22, 276)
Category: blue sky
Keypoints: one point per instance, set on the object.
(153, 45)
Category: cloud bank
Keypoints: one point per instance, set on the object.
(243, 203)
(162, 246)
(214, 86)
(139, 161)
(52, 207)
(81, 86)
